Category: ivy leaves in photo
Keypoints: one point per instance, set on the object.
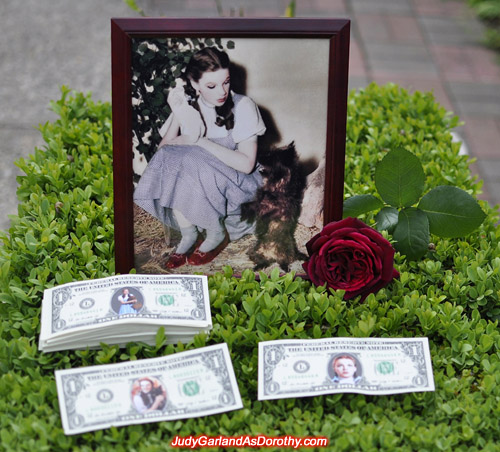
(156, 63)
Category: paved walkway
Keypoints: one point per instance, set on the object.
(419, 44)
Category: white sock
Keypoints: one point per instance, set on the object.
(214, 238)
(189, 236)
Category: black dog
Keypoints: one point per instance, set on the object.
(276, 208)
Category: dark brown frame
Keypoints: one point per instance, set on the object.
(122, 32)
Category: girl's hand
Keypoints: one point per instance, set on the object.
(176, 97)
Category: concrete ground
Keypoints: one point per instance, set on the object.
(426, 45)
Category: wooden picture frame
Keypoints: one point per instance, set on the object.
(294, 70)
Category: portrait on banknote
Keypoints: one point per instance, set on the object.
(148, 394)
(127, 300)
(344, 368)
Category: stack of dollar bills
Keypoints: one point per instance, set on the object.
(122, 309)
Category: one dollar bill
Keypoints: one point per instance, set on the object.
(188, 384)
(124, 308)
(374, 366)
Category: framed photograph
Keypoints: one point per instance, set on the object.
(229, 140)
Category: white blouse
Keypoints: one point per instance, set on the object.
(247, 121)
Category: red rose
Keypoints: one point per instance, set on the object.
(351, 256)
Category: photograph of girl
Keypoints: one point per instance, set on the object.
(220, 180)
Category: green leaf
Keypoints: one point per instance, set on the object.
(486, 342)
(45, 206)
(160, 337)
(31, 242)
(159, 99)
(275, 274)
(360, 204)
(331, 316)
(290, 9)
(399, 178)
(387, 219)
(451, 211)
(133, 5)
(412, 233)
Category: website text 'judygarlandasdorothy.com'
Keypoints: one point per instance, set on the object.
(196, 442)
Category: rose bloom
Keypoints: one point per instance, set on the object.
(351, 256)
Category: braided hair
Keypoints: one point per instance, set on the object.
(209, 59)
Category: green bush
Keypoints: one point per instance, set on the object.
(489, 12)
(64, 232)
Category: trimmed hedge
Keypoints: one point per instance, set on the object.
(489, 12)
(64, 232)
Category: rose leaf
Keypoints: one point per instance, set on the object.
(360, 204)
(452, 212)
(412, 233)
(387, 219)
(400, 178)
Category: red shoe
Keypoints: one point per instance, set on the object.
(199, 257)
(178, 260)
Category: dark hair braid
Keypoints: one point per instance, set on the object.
(192, 98)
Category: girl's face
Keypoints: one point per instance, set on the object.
(146, 386)
(213, 87)
(345, 367)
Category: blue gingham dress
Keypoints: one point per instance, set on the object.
(207, 191)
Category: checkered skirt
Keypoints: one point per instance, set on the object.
(207, 191)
